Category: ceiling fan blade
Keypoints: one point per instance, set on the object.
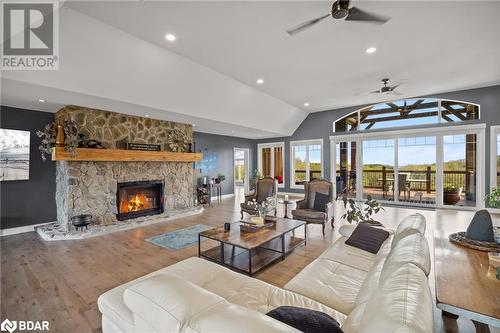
(356, 14)
(375, 92)
(306, 25)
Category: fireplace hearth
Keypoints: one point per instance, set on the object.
(134, 199)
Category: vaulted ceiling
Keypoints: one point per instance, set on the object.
(114, 56)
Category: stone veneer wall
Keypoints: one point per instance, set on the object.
(90, 187)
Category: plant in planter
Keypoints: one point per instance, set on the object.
(257, 174)
(64, 134)
(220, 178)
(451, 194)
(361, 211)
(493, 198)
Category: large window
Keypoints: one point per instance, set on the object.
(306, 161)
(271, 161)
(423, 166)
(408, 112)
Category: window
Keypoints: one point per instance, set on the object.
(271, 161)
(306, 162)
(408, 112)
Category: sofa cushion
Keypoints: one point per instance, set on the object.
(308, 214)
(320, 201)
(410, 224)
(329, 282)
(401, 303)
(305, 320)
(412, 249)
(367, 238)
(169, 301)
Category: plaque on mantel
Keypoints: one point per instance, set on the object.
(143, 146)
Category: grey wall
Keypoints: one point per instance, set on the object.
(25, 202)
(220, 150)
(319, 126)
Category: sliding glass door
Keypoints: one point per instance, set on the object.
(459, 170)
(378, 169)
(417, 168)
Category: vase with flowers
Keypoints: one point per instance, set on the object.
(261, 209)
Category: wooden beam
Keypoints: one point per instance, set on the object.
(456, 113)
(121, 155)
(391, 110)
(414, 115)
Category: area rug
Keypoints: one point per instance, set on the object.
(178, 239)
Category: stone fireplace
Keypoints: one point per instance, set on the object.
(97, 188)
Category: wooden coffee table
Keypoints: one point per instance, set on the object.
(249, 252)
(466, 284)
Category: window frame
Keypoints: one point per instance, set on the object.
(307, 143)
(272, 145)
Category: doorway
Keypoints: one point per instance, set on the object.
(241, 171)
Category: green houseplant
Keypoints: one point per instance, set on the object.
(361, 211)
(220, 178)
(493, 198)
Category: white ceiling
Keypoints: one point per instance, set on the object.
(224, 47)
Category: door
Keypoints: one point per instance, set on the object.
(241, 169)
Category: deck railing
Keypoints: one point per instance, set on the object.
(418, 180)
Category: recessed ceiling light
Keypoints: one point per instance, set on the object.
(232, 131)
(170, 37)
(306, 104)
(194, 125)
(41, 100)
(260, 81)
(146, 115)
(371, 50)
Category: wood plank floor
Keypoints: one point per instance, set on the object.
(60, 281)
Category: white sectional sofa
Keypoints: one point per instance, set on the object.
(364, 292)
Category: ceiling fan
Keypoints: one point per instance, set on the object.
(341, 10)
(386, 89)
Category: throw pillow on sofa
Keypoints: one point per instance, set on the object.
(320, 201)
(305, 320)
(367, 238)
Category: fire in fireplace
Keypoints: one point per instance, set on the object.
(136, 199)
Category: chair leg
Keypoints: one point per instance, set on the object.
(323, 224)
(332, 221)
(241, 214)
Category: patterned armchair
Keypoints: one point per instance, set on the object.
(305, 208)
(264, 188)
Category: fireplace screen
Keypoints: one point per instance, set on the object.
(136, 199)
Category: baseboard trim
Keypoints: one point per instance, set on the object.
(224, 196)
(19, 230)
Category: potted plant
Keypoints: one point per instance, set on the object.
(220, 178)
(64, 134)
(493, 198)
(451, 194)
(361, 211)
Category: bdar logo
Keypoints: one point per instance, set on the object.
(8, 325)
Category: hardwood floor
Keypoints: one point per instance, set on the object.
(60, 281)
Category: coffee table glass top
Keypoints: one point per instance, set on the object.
(251, 240)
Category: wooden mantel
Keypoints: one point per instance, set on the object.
(121, 155)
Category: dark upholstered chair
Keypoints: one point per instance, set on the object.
(305, 208)
(264, 188)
